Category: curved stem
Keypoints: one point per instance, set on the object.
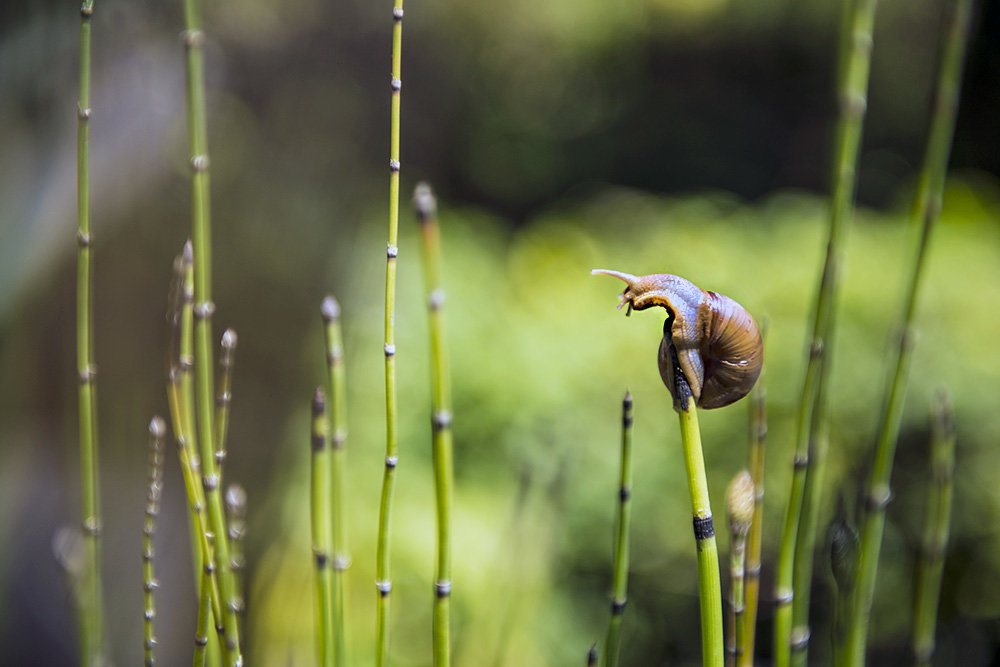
(383, 577)
(157, 431)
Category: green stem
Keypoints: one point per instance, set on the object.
(925, 213)
(709, 583)
(441, 417)
(737, 568)
(236, 513)
(755, 539)
(936, 528)
(383, 576)
(157, 431)
(336, 374)
(203, 307)
(224, 395)
(91, 621)
(619, 586)
(320, 522)
(796, 557)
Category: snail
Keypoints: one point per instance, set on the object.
(709, 337)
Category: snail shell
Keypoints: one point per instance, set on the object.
(717, 343)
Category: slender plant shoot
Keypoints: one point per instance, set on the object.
(740, 513)
(619, 585)
(336, 374)
(236, 514)
(90, 613)
(320, 521)
(755, 539)
(224, 395)
(383, 577)
(791, 629)
(936, 527)
(157, 432)
(925, 213)
(426, 207)
(194, 40)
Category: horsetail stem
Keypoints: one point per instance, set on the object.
(740, 506)
(90, 612)
(154, 487)
(320, 528)
(224, 395)
(441, 417)
(934, 544)
(619, 586)
(336, 375)
(925, 213)
(755, 539)
(798, 538)
(236, 514)
(201, 235)
(383, 577)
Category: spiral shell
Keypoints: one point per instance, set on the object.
(715, 341)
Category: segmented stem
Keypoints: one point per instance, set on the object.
(383, 577)
(320, 522)
(796, 552)
(90, 613)
(441, 416)
(619, 586)
(936, 527)
(157, 432)
(203, 307)
(755, 539)
(224, 395)
(925, 213)
(709, 581)
(336, 375)
(236, 513)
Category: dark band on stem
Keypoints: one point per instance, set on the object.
(618, 606)
(321, 559)
(397, 14)
(83, 238)
(384, 588)
(391, 461)
(624, 493)
(784, 599)
(800, 462)
(203, 310)
(390, 350)
(877, 502)
(200, 641)
(800, 640)
(442, 588)
(394, 166)
(703, 527)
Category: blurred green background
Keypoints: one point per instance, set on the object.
(643, 135)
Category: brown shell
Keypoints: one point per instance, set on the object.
(719, 347)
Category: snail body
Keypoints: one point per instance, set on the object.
(709, 337)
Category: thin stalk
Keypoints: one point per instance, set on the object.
(925, 213)
(798, 538)
(755, 539)
(383, 576)
(194, 40)
(619, 586)
(91, 621)
(320, 521)
(441, 417)
(336, 374)
(709, 583)
(157, 432)
(224, 395)
(236, 513)
(181, 398)
(936, 527)
(740, 504)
